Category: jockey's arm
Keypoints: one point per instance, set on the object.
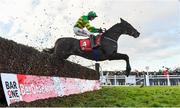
(91, 28)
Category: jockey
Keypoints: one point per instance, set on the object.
(83, 22)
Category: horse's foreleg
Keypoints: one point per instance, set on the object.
(118, 56)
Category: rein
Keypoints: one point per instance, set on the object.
(110, 39)
(115, 41)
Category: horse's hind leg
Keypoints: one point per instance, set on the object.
(56, 60)
(118, 56)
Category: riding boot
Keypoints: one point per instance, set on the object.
(93, 43)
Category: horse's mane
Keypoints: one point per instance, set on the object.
(114, 31)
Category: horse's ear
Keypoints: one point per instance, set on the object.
(121, 20)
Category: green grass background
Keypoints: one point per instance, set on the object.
(118, 96)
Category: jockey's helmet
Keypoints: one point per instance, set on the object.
(92, 14)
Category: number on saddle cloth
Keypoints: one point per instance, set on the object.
(85, 44)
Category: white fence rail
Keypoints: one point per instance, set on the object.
(148, 80)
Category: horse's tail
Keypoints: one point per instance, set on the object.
(48, 50)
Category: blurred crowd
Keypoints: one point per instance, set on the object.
(164, 71)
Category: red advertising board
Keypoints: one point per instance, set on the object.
(18, 87)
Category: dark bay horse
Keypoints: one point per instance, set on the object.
(64, 47)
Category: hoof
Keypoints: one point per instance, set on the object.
(127, 73)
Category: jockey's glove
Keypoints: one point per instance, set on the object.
(100, 30)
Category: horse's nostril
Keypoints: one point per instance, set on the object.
(138, 34)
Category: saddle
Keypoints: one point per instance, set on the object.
(85, 44)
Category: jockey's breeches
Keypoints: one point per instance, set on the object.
(81, 32)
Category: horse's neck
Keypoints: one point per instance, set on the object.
(114, 32)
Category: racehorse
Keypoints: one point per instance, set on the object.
(64, 47)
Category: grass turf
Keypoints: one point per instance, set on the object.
(133, 96)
